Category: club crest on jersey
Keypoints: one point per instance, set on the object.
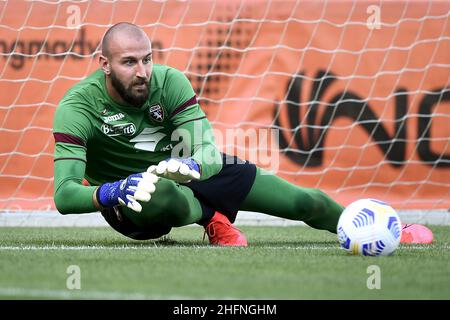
(156, 113)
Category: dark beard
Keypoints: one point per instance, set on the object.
(127, 93)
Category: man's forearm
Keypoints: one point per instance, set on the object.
(202, 146)
(72, 197)
(209, 159)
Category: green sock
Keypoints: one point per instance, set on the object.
(277, 197)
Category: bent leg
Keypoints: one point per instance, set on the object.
(119, 222)
(171, 204)
(277, 197)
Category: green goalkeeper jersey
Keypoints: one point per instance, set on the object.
(116, 140)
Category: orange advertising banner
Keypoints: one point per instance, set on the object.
(353, 98)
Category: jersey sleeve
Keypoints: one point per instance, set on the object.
(186, 114)
(180, 99)
(71, 131)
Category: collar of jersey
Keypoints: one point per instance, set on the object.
(118, 105)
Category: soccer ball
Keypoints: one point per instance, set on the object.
(369, 227)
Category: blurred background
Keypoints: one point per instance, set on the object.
(353, 96)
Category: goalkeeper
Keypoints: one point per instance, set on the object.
(121, 129)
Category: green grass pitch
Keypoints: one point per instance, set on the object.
(280, 263)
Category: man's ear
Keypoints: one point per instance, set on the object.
(104, 64)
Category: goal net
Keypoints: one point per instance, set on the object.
(351, 97)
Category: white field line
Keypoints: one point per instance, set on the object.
(86, 294)
(166, 247)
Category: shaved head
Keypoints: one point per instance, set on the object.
(118, 32)
(126, 60)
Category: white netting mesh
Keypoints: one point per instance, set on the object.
(358, 91)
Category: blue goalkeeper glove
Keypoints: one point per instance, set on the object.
(179, 170)
(127, 192)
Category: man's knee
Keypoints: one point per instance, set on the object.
(124, 225)
(169, 202)
(166, 192)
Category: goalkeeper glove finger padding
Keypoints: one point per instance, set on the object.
(127, 192)
(179, 170)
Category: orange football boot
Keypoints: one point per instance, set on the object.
(221, 232)
(416, 233)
